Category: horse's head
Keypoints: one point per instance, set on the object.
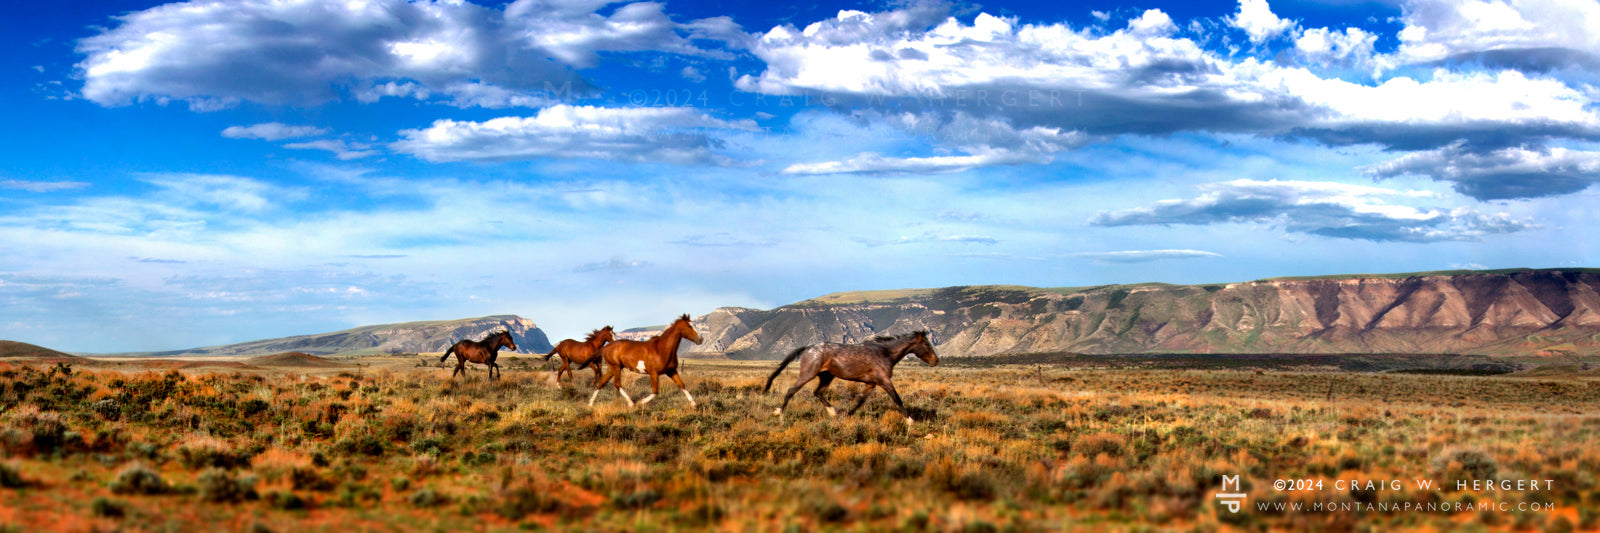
(685, 329)
(922, 345)
(606, 335)
(508, 341)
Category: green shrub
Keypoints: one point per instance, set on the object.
(139, 479)
(218, 487)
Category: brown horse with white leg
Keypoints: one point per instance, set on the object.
(584, 353)
(656, 356)
(871, 362)
(482, 352)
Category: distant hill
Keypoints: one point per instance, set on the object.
(293, 359)
(23, 350)
(1501, 312)
(409, 337)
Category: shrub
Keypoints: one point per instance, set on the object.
(102, 506)
(285, 500)
(218, 487)
(210, 452)
(426, 497)
(10, 478)
(138, 479)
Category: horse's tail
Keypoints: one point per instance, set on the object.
(587, 363)
(552, 353)
(447, 353)
(786, 360)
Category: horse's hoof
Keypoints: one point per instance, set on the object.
(777, 412)
(832, 413)
(908, 421)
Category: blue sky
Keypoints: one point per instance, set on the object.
(188, 174)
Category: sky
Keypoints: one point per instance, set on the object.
(199, 173)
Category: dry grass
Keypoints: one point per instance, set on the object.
(1007, 448)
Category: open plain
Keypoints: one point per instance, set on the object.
(1038, 443)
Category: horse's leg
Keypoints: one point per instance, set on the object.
(889, 388)
(862, 400)
(620, 390)
(461, 367)
(601, 384)
(808, 370)
(655, 388)
(681, 386)
(563, 368)
(821, 386)
(597, 372)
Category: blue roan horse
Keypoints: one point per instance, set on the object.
(871, 362)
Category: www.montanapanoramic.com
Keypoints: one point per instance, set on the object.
(1402, 507)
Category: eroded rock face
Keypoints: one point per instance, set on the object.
(410, 337)
(1486, 313)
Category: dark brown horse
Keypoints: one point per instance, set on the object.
(871, 362)
(482, 352)
(584, 353)
(656, 356)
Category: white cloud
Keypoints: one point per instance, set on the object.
(666, 134)
(1325, 209)
(42, 186)
(930, 237)
(1529, 34)
(1516, 172)
(218, 53)
(872, 163)
(271, 131)
(615, 264)
(1256, 19)
(343, 150)
(1143, 256)
(1143, 80)
(1353, 46)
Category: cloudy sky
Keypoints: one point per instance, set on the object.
(198, 173)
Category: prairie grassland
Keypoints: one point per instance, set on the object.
(389, 447)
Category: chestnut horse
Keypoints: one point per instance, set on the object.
(584, 353)
(656, 356)
(871, 362)
(482, 352)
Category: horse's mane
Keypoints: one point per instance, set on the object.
(593, 334)
(884, 339)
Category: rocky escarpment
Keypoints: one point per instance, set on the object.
(1492, 313)
(409, 337)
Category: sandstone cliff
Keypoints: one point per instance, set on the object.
(1488, 312)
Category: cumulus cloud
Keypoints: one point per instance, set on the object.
(1143, 256)
(1516, 172)
(1352, 47)
(1529, 35)
(658, 134)
(216, 53)
(1320, 208)
(1143, 79)
(42, 186)
(1256, 19)
(271, 131)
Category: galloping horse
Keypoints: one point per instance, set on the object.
(482, 352)
(656, 356)
(583, 353)
(871, 362)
